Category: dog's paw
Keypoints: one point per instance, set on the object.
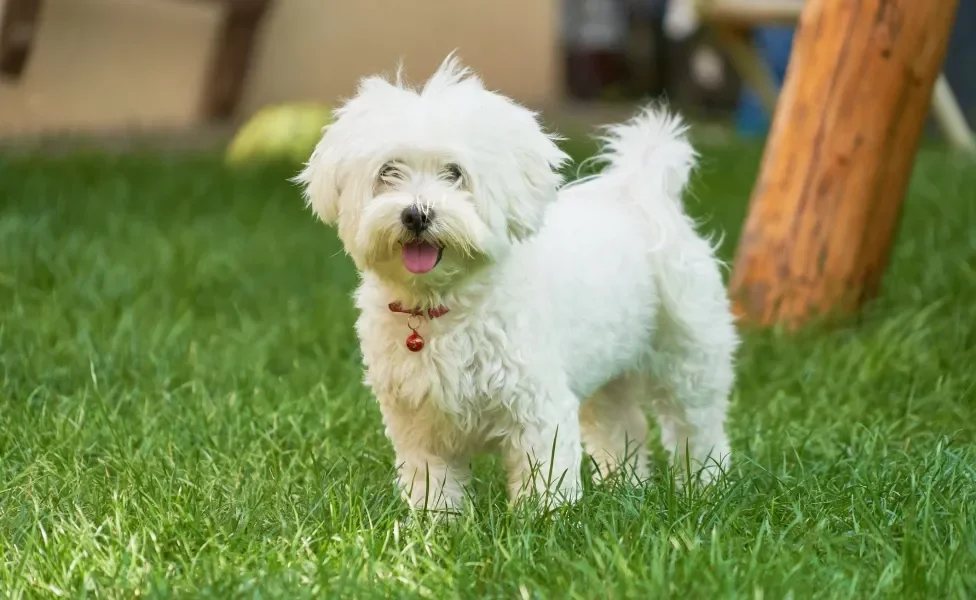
(429, 519)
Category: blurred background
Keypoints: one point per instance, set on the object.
(106, 66)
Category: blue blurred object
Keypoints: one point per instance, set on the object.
(961, 57)
(774, 45)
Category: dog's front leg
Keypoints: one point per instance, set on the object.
(431, 483)
(544, 457)
(429, 476)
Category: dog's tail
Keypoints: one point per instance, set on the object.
(651, 156)
(648, 161)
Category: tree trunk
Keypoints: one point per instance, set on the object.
(839, 156)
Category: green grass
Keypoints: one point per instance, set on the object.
(182, 415)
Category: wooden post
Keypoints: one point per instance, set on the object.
(839, 156)
(18, 27)
(747, 61)
(232, 59)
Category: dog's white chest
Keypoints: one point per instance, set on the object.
(443, 373)
(459, 381)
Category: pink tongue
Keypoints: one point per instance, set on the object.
(419, 257)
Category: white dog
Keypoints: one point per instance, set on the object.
(500, 312)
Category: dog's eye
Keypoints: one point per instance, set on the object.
(452, 173)
(390, 171)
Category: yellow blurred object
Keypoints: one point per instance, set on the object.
(279, 132)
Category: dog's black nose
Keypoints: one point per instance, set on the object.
(415, 219)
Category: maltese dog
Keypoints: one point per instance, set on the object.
(501, 310)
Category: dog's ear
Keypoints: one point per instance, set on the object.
(538, 164)
(534, 165)
(320, 181)
(517, 184)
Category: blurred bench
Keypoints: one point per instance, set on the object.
(227, 73)
(733, 20)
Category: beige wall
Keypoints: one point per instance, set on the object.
(123, 63)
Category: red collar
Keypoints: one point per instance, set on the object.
(430, 313)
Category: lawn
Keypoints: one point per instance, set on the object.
(182, 414)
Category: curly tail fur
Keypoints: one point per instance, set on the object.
(651, 149)
(648, 162)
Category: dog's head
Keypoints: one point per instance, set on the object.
(424, 185)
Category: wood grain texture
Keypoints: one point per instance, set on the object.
(836, 166)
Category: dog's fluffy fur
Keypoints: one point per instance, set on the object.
(572, 308)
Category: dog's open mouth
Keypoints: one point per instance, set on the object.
(421, 257)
